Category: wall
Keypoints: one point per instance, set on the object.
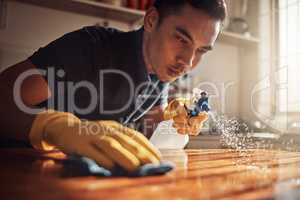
(256, 74)
(219, 74)
(30, 27)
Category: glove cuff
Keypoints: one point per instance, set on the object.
(174, 108)
(37, 133)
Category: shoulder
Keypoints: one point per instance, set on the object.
(88, 35)
(99, 33)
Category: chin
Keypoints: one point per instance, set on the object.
(169, 79)
(164, 77)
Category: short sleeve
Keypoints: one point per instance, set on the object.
(72, 53)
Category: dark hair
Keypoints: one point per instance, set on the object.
(214, 8)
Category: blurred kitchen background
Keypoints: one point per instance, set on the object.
(252, 74)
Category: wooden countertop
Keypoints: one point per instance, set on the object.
(200, 174)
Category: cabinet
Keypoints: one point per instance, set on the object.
(126, 15)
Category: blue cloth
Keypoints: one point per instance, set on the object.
(76, 166)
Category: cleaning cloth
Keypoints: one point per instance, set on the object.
(82, 166)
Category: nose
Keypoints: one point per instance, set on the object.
(186, 58)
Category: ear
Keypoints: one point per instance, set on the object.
(151, 19)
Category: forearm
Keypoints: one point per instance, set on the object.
(14, 124)
(151, 120)
(149, 125)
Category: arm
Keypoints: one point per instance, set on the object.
(110, 144)
(152, 119)
(106, 142)
(14, 123)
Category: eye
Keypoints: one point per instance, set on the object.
(181, 39)
(202, 51)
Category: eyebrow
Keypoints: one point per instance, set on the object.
(188, 35)
(185, 33)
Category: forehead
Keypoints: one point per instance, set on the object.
(200, 25)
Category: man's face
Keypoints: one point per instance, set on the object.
(177, 44)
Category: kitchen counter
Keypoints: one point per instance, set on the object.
(199, 174)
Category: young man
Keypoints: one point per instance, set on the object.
(112, 76)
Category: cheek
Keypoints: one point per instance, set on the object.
(167, 51)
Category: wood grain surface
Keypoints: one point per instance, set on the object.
(199, 174)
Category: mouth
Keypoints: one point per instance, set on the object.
(173, 71)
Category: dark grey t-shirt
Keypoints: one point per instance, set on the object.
(99, 73)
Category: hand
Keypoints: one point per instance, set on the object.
(184, 124)
(107, 142)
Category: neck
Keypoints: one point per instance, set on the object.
(146, 48)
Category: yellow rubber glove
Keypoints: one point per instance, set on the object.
(107, 142)
(184, 124)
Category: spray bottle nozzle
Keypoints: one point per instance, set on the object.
(201, 105)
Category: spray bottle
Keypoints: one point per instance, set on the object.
(166, 137)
